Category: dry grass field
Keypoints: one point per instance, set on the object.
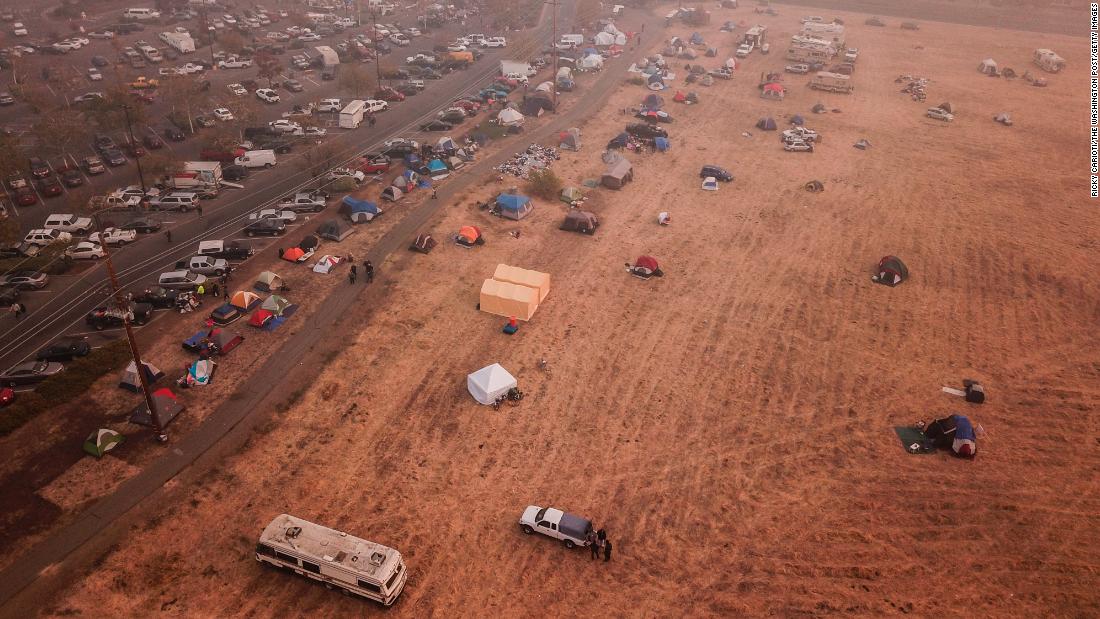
(730, 424)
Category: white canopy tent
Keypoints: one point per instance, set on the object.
(509, 117)
(490, 383)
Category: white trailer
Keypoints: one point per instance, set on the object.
(832, 82)
(355, 565)
(755, 36)
(329, 57)
(352, 114)
(513, 66)
(179, 41)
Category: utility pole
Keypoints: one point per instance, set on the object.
(554, 46)
(134, 144)
(374, 37)
(123, 308)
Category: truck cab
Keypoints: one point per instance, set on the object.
(568, 528)
(206, 265)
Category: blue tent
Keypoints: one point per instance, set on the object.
(797, 120)
(411, 176)
(436, 166)
(696, 38)
(590, 51)
(662, 144)
(655, 78)
(514, 206)
(653, 102)
(412, 160)
(619, 141)
(359, 210)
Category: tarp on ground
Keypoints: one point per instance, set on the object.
(132, 382)
(509, 300)
(326, 264)
(100, 441)
(509, 117)
(166, 407)
(490, 383)
(245, 300)
(334, 230)
(661, 144)
(268, 282)
(513, 206)
(766, 124)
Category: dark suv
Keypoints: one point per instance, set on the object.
(719, 173)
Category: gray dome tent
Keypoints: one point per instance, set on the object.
(766, 124)
(891, 271)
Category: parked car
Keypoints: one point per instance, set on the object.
(303, 203)
(158, 296)
(293, 85)
(114, 157)
(71, 176)
(85, 250)
(798, 146)
(374, 164)
(152, 142)
(25, 280)
(799, 133)
(939, 114)
(25, 196)
(50, 187)
(265, 227)
(174, 134)
(39, 168)
(285, 126)
(223, 114)
(453, 115)
(286, 215)
(230, 250)
(717, 172)
(235, 172)
(181, 280)
(386, 93)
(144, 225)
(237, 89)
(569, 528)
(113, 236)
(65, 349)
(8, 296)
(92, 165)
(30, 373)
(45, 236)
(436, 125)
(111, 317)
(797, 68)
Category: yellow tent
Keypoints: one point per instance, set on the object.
(505, 299)
(524, 277)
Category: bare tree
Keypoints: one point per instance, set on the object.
(110, 112)
(319, 159)
(184, 98)
(58, 129)
(269, 67)
(356, 80)
(231, 42)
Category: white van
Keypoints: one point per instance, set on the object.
(574, 40)
(43, 237)
(67, 222)
(256, 159)
(140, 14)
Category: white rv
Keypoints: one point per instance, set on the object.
(1048, 61)
(832, 82)
(363, 568)
(179, 41)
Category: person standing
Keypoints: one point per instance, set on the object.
(201, 290)
(606, 550)
(214, 290)
(434, 196)
(368, 268)
(199, 209)
(168, 235)
(15, 310)
(351, 275)
(593, 544)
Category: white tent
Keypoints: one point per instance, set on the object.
(603, 39)
(592, 61)
(326, 264)
(988, 67)
(509, 117)
(545, 87)
(489, 383)
(620, 39)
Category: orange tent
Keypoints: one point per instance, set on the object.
(470, 233)
(244, 300)
(294, 254)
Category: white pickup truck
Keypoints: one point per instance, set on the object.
(206, 265)
(114, 201)
(569, 528)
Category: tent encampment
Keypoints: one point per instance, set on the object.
(359, 211)
(570, 195)
(509, 117)
(819, 108)
(334, 230)
(132, 382)
(891, 271)
(507, 299)
(392, 193)
(603, 39)
(570, 140)
(100, 441)
(514, 206)
(166, 407)
(225, 340)
(268, 282)
(490, 383)
(438, 170)
(862, 144)
(987, 67)
(580, 221)
(524, 277)
(947, 107)
(710, 184)
(618, 174)
(244, 300)
(446, 145)
(545, 87)
(309, 244)
(766, 124)
(326, 264)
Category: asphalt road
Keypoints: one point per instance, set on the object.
(59, 308)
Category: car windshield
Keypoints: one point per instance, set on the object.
(540, 515)
(40, 366)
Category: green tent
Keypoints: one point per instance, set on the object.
(101, 441)
(275, 304)
(569, 195)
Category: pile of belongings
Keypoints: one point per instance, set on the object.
(862, 144)
(1004, 119)
(535, 157)
(423, 243)
(914, 86)
(187, 302)
(688, 99)
(955, 432)
(819, 108)
(627, 141)
(815, 186)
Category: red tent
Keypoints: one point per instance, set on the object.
(679, 97)
(260, 318)
(646, 262)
